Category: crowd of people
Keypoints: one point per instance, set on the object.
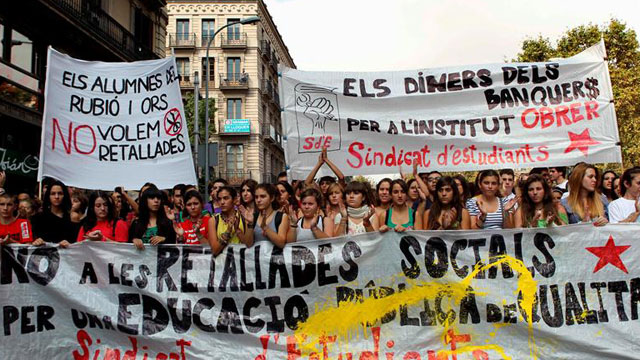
(297, 211)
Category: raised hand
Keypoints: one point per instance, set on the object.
(246, 214)
(177, 228)
(511, 203)
(366, 221)
(343, 209)
(482, 207)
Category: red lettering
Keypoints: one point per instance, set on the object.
(308, 143)
(561, 115)
(84, 340)
(372, 355)
(182, 343)
(544, 153)
(524, 118)
(591, 111)
(75, 139)
(575, 113)
(546, 117)
(112, 354)
(356, 154)
(293, 352)
(67, 144)
(480, 355)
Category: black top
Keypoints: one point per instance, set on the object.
(54, 229)
(165, 229)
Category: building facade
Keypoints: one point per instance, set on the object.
(243, 81)
(105, 30)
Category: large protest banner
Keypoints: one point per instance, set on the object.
(114, 124)
(452, 119)
(560, 293)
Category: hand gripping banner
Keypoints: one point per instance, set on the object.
(114, 124)
(560, 293)
(458, 118)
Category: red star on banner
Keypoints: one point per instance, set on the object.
(609, 254)
(581, 142)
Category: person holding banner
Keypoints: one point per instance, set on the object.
(53, 224)
(312, 225)
(228, 226)
(487, 210)
(101, 222)
(359, 215)
(399, 216)
(193, 229)
(537, 208)
(447, 211)
(152, 225)
(585, 203)
(273, 224)
(627, 208)
(13, 229)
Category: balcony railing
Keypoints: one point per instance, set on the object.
(276, 99)
(269, 132)
(265, 49)
(266, 89)
(234, 81)
(97, 22)
(274, 62)
(235, 177)
(182, 40)
(234, 40)
(204, 40)
(186, 81)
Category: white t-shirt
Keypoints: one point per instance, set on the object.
(620, 209)
(563, 185)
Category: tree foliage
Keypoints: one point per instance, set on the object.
(189, 102)
(624, 66)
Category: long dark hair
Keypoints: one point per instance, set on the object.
(292, 194)
(272, 191)
(466, 191)
(361, 188)
(91, 220)
(377, 197)
(437, 206)
(484, 174)
(144, 213)
(610, 193)
(528, 208)
(251, 184)
(66, 200)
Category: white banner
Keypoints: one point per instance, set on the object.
(561, 293)
(452, 119)
(114, 124)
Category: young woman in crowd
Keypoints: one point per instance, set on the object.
(271, 224)
(626, 209)
(312, 225)
(79, 203)
(413, 195)
(152, 225)
(53, 224)
(358, 216)
(618, 188)
(556, 194)
(537, 208)
(247, 195)
(487, 210)
(194, 227)
(585, 203)
(101, 222)
(606, 186)
(335, 202)
(286, 196)
(463, 188)
(213, 207)
(228, 226)
(447, 211)
(399, 216)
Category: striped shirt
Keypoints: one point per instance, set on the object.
(494, 220)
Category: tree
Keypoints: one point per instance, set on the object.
(624, 67)
(189, 102)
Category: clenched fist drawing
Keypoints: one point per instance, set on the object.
(318, 111)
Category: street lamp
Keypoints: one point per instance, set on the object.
(249, 20)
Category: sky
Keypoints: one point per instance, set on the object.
(377, 35)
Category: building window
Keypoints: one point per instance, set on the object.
(183, 68)
(235, 157)
(233, 31)
(21, 51)
(234, 108)
(208, 29)
(182, 29)
(212, 63)
(233, 69)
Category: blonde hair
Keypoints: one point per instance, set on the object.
(594, 203)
